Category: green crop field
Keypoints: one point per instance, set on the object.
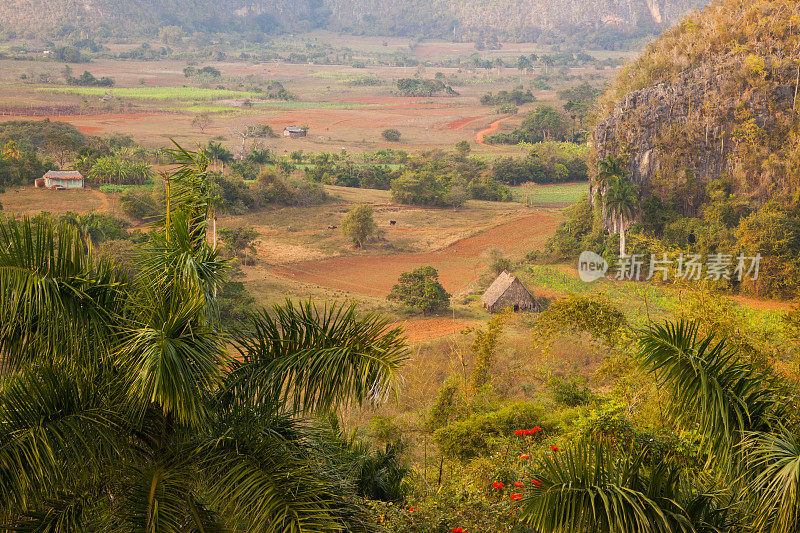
(562, 194)
(155, 93)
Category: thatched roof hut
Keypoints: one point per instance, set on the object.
(507, 291)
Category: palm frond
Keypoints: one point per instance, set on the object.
(259, 473)
(587, 488)
(773, 480)
(56, 300)
(306, 359)
(172, 358)
(55, 427)
(710, 385)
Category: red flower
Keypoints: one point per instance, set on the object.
(458, 530)
(497, 485)
(518, 432)
(524, 456)
(516, 497)
(519, 484)
(412, 509)
(536, 482)
(554, 448)
(537, 428)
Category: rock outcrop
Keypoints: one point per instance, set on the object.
(693, 124)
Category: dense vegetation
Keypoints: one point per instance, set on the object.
(127, 411)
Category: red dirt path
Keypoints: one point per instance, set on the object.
(492, 127)
(459, 264)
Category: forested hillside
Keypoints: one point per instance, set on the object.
(459, 19)
(705, 126)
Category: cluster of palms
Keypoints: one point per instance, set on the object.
(216, 153)
(747, 474)
(123, 408)
(119, 170)
(618, 195)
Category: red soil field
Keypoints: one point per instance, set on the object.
(431, 328)
(459, 265)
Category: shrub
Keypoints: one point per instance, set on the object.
(140, 205)
(421, 290)
(475, 436)
(571, 392)
(359, 225)
(391, 135)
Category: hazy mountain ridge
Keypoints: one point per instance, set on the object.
(439, 18)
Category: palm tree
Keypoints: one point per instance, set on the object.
(216, 152)
(120, 408)
(750, 449)
(610, 169)
(621, 200)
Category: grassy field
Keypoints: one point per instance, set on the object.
(551, 195)
(154, 93)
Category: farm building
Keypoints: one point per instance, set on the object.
(60, 179)
(507, 291)
(294, 131)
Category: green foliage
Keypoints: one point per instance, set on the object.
(87, 79)
(571, 392)
(391, 135)
(420, 290)
(140, 205)
(484, 348)
(516, 97)
(359, 225)
(481, 434)
(126, 410)
(592, 314)
(30, 135)
(20, 167)
(545, 163)
(544, 123)
(119, 171)
(578, 233)
(423, 87)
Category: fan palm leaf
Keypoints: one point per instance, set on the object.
(588, 487)
(773, 475)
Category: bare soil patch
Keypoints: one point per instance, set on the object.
(459, 264)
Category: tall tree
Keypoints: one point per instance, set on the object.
(621, 200)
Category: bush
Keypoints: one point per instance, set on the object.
(571, 392)
(140, 205)
(421, 290)
(359, 225)
(477, 435)
(391, 135)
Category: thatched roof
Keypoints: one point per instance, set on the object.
(498, 288)
(64, 174)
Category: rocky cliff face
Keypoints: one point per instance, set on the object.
(712, 121)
